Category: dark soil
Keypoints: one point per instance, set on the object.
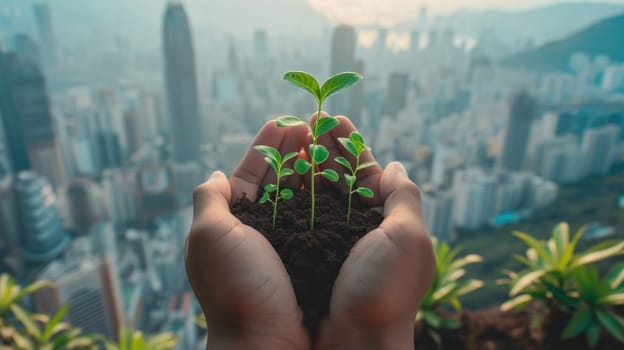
(312, 259)
(531, 329)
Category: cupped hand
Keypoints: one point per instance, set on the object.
(237, 276)
(380, 286)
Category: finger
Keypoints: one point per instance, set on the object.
(294, 141)
(403, 218)
(252, 169)
(211, 203)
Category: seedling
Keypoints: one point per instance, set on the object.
(355, 145)
(276, 161)
(322, 125)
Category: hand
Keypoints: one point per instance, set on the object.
(238, 278)
(387, 273)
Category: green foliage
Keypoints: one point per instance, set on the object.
(550, 264)
(568, 281)
(447, 287)
(277, 162)
(321, 126)
(591, 302)
(356, 146)
(136, 340)
(11, 293)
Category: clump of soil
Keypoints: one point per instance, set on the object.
(312, 258)
(533, 328)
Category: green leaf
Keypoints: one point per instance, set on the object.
(272, 163)
(330, 175)
(58, 317)
(366, 165)
(26, 320)
(615, 276)
(516, 303)
(431, 319)
(324, 125)
(348, 144)
(593, 335)
(319, 153)
(349, 180)
(287, 172)
(305, 81)
(365, 192)
(269, 152)
(613, 323)
(344, 162)
(525, 281)
(533, 243)
(578, 324)
(356, 138)
(264, 198)
(289, 156)
(286, 121)
(338, 82)
(270, 188)
(302, 166)
(591, 257)
(286, 193)
(568, 254)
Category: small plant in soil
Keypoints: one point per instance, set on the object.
(448, 286)
(355, 145)
(277, 162)
(322, 125)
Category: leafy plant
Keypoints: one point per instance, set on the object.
(45, 333)
(591, 303)
(135, 340)
(322, 125)
(355, 145)
(275, 160)
(549, 264)
(447, 287)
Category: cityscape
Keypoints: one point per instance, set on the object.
(103, 138)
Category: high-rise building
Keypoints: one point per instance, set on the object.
(9, 225)
(599, 146)
(396, 95)
(43, 18)
(357, 97)
(89, 285)
(438, 213)
(121, 194)
(41, 229)
(27, 119)
(475, 195)
(342, 60)
(181, 85)
(261, 46)
(85, 201)
(26, 49)
(513, 152)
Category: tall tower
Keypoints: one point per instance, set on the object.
(42, 235)
(342, 60)
(43, 19)
(522, 110)
(181, 85)
(27, 119)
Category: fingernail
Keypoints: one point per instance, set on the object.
(399, 167)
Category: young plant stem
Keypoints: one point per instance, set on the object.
(354, 173)
(277, 195)
(313, 168)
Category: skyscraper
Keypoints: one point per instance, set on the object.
(41, 229)
(181, 85)
(342, 60)
(599, 149)
(43, 18)
(396, 97)
(513, 152)
(27, 119)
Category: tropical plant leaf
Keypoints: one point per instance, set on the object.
(26, 320)
(56, 319)
(578, 324)
(525, 281)
(613, 323)
(516, 303)
(616, 276)
(305, 81)
(338, 82)
(533, 243)
(593, 335)
(594, 256)
(287, 121)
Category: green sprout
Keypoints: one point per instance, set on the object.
(355, 145)
(322, 125)
(276, 161)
